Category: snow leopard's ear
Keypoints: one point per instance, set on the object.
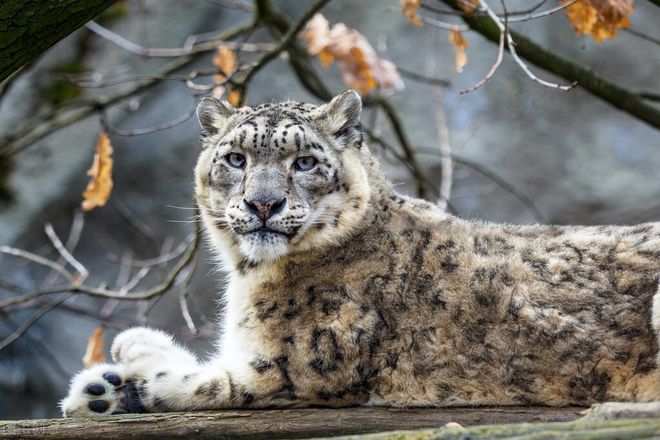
(340, 118)
(213, 115)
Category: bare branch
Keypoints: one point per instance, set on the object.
(423, 79)
(153, 129)
(642, 35)
(284, 42)
(619, 97)
(491, 72)
(83, 273)
(183, 303)
(446, 162)
(72, 240)
(512, 50)
(37, 259)
(495, 178)
(533, 16)
(40, 127)
(170, 280)
(34, 318)
(188, 49)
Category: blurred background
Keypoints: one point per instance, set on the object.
(522, 152)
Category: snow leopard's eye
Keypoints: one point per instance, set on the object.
(236, 160)
(304, 163)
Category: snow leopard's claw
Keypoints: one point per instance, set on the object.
(101, 391)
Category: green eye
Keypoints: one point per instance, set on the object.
(236, 160)
(305, 163)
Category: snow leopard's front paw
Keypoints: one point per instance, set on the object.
(143, 356)
(101, 391)
(141, 345)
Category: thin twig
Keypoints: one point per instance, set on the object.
(183, 304)
(34, 318)
(446, 162)
(189, 48)
(72, 240)
(284, 42)
(101, 292)
(40, 127)
(37, 259)
(444, 25)
(642, 35)
(399, 130)
(498, 180)
(423, 79)
(83, 273)
(533, 16)
(37, 347)
(153, 129)
(512, 49)
(491, 72)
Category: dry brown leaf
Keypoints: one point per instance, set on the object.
(94, 352)
(234, 97)
(226, 62)
(409, 9)
(359, 64)
(100, 185)
(599, 18)
(459, 42)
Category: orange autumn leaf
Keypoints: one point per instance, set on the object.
(409, 9)
(94, 352)
(599, 18)
(99, 187)
(360, 66)
(234, 97)
(459, 42)
(226, 62)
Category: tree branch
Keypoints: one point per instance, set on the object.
(40, 126)
(586, 78)
(264, 13)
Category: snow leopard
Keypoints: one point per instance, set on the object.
(342, 291)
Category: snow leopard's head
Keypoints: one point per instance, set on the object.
(280, 178)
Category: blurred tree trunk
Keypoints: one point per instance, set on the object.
(27, 28)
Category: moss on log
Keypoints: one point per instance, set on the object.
(579, 430)
(27, 28)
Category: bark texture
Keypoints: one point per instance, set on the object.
(27, 28)
(275, 424)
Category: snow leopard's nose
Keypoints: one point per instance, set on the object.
(265, 208)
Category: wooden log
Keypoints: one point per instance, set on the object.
(276, 424)
(628, 429)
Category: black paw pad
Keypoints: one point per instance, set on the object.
(99, 406)
(113, 378)
(95, 389)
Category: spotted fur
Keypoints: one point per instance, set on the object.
(359, 295)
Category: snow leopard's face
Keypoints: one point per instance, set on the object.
(280, 178)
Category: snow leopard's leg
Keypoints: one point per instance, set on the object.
(139, 355)
(153, 374)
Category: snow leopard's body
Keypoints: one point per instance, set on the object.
(342, 291)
